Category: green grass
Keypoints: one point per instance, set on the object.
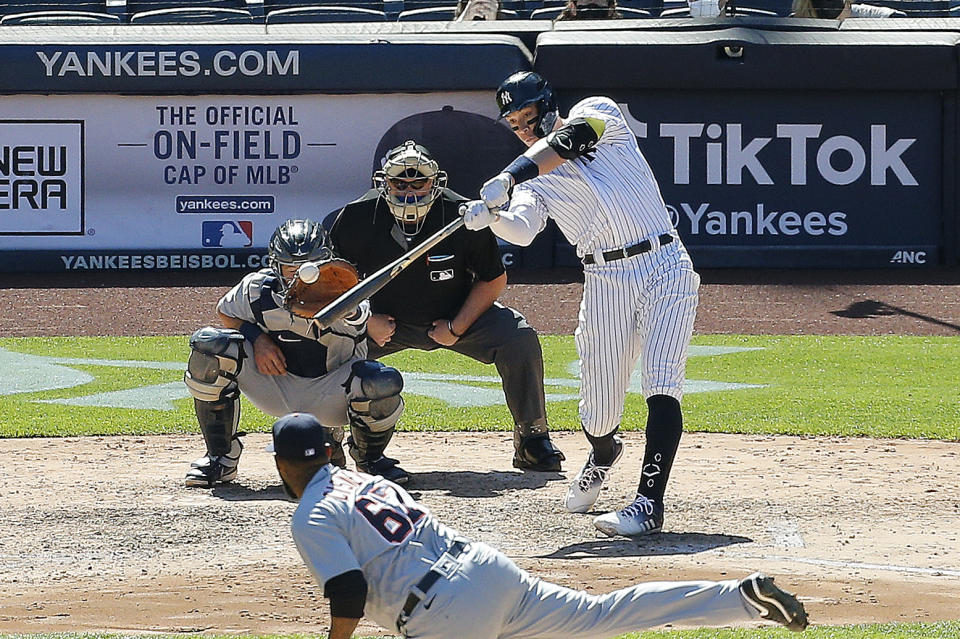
(888, 386)
(940, 630)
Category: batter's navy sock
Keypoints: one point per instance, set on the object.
(604, 449)
(664, 427)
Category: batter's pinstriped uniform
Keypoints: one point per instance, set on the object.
(639, 307)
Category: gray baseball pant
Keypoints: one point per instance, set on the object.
(500, 336)
(490, 597)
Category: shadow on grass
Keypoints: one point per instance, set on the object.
(669, 543)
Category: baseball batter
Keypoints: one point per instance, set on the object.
(379, 553)
(282, 362)
(640, 290)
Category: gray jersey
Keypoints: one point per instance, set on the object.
(308, 350)
(349, 521)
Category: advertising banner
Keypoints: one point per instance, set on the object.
(134, 182)
(787, 179)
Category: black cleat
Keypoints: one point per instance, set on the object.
(207, 472)
(537, 453)
(772, 603)
(386, 467)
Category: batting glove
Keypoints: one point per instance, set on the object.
(476, 215)
(496, 191)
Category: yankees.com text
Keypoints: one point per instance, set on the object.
(166, 63)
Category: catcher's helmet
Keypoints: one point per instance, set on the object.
(295, 242)
(525, 88)
(410, 181)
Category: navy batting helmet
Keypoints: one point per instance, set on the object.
(523, 89)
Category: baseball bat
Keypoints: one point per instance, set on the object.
(346, 303)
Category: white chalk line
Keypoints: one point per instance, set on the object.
(836, 563)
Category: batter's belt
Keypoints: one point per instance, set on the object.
(445, 566)
(628, 251)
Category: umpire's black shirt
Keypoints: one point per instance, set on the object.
(365, 233)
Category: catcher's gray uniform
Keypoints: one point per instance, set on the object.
(351, 521)
(318, 362)
(326, 374)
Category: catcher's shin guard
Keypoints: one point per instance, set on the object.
(373, 394)
(367, 447)
(215, 360)
(533, 449)
(374, 406)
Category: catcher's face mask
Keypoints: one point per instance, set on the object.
(410, 182)
(295, 242)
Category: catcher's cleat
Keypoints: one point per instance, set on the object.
(537, 453)
(386, 467)
(208, 471)
(585, 489)
(642, 517)
(773, 604)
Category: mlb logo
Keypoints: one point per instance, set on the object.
(227, 234)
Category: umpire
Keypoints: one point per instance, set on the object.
(448, 298)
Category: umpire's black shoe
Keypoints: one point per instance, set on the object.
(772, 603)
(537, 453)
(386, 467)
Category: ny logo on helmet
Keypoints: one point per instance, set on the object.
(505, 98)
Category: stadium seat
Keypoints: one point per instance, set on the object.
(197, 15)
(47, 18)
(332, 13)
(685, 13)
(780, 7)
(551, 13)
(917, 8)
(8, 7)
(140, 6)
(432, 14)
(390, 7)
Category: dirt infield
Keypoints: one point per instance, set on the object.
(100, 534)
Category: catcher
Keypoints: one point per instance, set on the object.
(271, 350)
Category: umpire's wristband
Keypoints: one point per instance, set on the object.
(250, 332)
(522, 169)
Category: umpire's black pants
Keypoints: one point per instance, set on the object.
(500, 336)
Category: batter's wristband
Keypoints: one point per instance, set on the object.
(250, 332)
(522, 169)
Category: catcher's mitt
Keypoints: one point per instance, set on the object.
(333, 278)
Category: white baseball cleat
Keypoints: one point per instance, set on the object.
(642, 517)
(585, 489)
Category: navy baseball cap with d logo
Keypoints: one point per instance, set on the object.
(300, 436)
